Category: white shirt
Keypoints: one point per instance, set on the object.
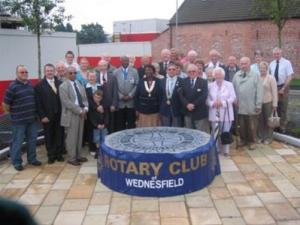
(52, 82)
(285, 70)
(171, 81)
(211, 65)
(76, 99)
(101, 78)
(74, 64)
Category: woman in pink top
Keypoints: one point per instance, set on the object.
(221, 97)
(270, 98)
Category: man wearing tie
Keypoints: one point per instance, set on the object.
(165, 60)
(49, 110)
(170, 107)
(74, 108)
(193, 96)
(282, 70)
(127, 80)
(214, 62)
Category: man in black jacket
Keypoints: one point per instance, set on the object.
(49, 110)
(193, 96)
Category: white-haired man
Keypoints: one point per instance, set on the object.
(214, 62)
(249, 92)
(165, 60)
(282, 70)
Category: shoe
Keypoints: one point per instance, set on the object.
(60, 159)
(35, 163)
(252, 146)
(241, 144)
(82, 159)
(19, 168)
(267, 142)
(259, 141)
(74, 162)
(51, 161)
(226, 154)
(92, 153)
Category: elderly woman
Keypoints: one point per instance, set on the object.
(221, 97)
(147, 99)
(270, 98)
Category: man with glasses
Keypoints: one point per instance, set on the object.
(170, 107)
(193, 96)
(19, 101)
(74, 108)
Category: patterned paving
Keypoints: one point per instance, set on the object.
(256, 187)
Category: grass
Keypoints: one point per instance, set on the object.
(295, 82)
(295, 132)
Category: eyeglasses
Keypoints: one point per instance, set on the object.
(23, 72)
(71, 72)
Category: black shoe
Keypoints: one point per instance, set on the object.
(35, 163)
(51, 161)
(82, 159)
(60, 159)
(74, 162)
(19, 168)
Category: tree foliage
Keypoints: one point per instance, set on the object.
(91, 33)
(278, 11)
(38, 16)
(64, 28)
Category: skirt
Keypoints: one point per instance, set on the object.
(148, 120)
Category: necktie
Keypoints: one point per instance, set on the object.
(192, 83)
(165, 66)
(52, 84)
(244, 75)
(79, 97)
(276, 70)
(125, 73)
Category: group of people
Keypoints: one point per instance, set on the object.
(77, 105)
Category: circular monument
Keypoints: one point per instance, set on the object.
(158, 161)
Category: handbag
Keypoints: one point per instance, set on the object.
(274, 120)
(226, 137)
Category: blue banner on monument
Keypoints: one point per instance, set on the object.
(158, 171)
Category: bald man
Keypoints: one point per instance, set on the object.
(165, 60)
(249, 92)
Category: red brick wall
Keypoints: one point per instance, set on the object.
(234, 38)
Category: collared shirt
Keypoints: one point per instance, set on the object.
(21, 99)
(255, 69)
(284, 72)
(74, 64)
(171, 81)
(103, 78)
(93, 86)
(52, 84)
(211, 65)
(76, 99)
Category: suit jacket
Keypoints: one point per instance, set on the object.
(96, 117)
(68, 97)
(89, 92)
(48, 102)
(141, 72)
(197, 96)
(110, 90)
(175, 107)
(229, 74)
(126, 87)
(162, 70)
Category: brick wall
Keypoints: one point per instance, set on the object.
(233, 38)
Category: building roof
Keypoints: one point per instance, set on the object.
(204, 11)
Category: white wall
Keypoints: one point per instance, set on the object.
(20, 47)
(116, 49)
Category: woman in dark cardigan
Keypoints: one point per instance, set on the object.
(147, 99)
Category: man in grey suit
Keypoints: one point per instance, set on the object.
(127, 79)
(74, 108)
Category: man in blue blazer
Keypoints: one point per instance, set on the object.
(170, 107)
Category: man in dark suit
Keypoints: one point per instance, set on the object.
(49, 110)
(109, 86)
(193, 96)
(231, 68)
(141, 70)
(170, 107)
(214, 62)
(165, 60)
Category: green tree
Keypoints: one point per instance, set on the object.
(38, 16)
(62, 28)
(278, 11)
(91, 33)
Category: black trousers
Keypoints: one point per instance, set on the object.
(54, 138)
(112, 122)
(125, 118)
(88, 135)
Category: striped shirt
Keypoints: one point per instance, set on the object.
(21, 99)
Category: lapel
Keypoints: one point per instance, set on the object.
(47, 85)
(71, 91)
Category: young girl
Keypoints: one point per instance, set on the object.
(98, 118)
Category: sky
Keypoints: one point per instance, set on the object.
(105, 12)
